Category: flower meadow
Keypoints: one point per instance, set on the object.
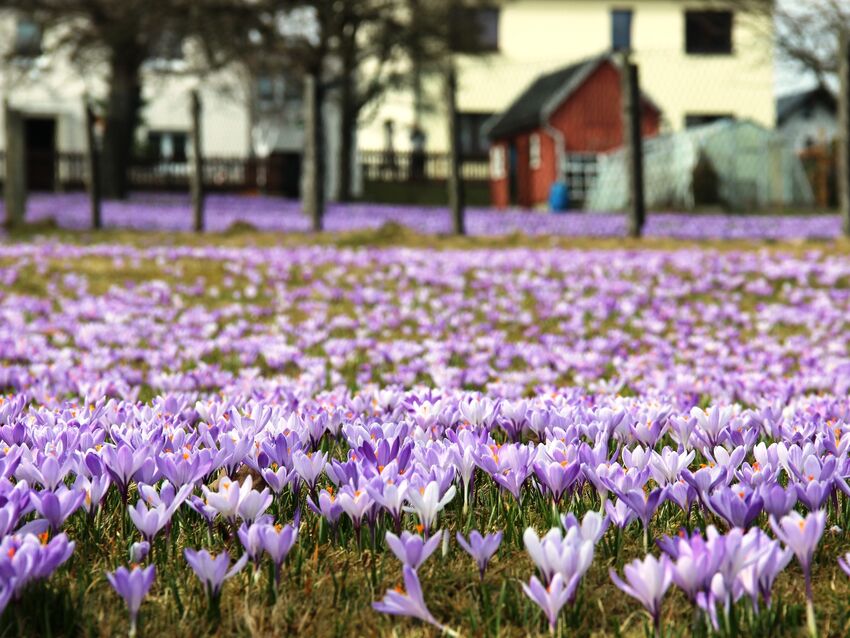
(173, 212)
(352, 441)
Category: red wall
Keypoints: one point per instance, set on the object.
(590, 121)
(499, 188)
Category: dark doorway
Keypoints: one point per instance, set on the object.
(513, 178)
(40, 145)
(284, 174)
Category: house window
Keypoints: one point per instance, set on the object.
(534, 156)
(473, 141)
(265, 89)
(497, 162)
(701, 119)
(168, 146)
(27, 38)
(168, 47)
(621, 29)
(475, 30)
(580, 173)
(708, 32)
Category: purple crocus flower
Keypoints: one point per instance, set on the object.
(184, 469)
(801, 536)
(390, 496)
(427, 503)
(277, 541)
(647, 581)
(556, 477)
(481, 548)
(328, 507)
(309, 466)
(252, 504)
(778, 500)
(94, 489)
(27, 557)
(411, 549)
(132, 586)
(277, 477)
(57, 506)
(252, 541)
(139, 551)
(813, 493)
(591, 528)
(149, 521)
(757, 579)
(213, 570)
(409, 601)
(644, 505)
(739, 507)
(122, 463)
(550, 599)
(569, 555)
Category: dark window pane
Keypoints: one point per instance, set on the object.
(621, 29)
(168, 146)
(265, 88)
(473, 141)
(180, 143)
(27, 38)
(475, 30)
(701, 119)
(708, 32)
(169, 47)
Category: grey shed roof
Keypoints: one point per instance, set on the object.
(529, 110)
(788, 105)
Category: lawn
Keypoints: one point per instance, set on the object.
(244, 392)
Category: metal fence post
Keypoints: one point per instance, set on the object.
(633, 144)
(843, 176)
(94, 167)
(197, 171)
(455, 177)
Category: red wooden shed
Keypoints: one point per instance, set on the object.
(576, 109)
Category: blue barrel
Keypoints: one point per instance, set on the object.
(559, 197)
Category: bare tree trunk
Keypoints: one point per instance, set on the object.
(455, 181)
(122, 108)
(94, 168)
(15, 184)
(313, 197)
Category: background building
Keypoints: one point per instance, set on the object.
(243, 116)
(697, 62)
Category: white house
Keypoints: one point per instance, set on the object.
(243, 116)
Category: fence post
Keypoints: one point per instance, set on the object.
(314, 153)
(196, 179)
(92, 156)
(15, 184)
(843, 176)
(633, 143)
(455, 181)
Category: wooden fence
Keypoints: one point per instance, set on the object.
(819, 163)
